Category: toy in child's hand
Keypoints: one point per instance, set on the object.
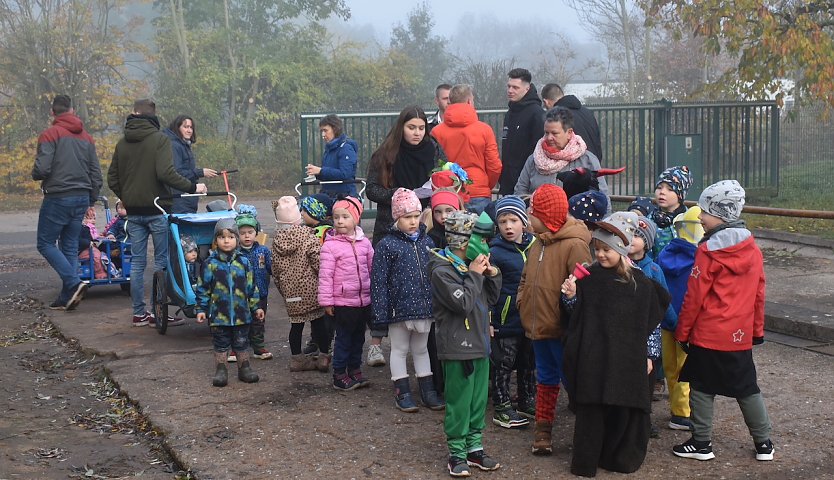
(579, 272)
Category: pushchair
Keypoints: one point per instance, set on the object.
(106, 250)
(172, 287)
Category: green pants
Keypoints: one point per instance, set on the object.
(466, 402)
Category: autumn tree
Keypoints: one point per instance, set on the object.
(421, 53)
(770, 41)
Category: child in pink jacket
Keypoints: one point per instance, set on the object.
(345, 290)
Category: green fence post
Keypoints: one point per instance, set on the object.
(775, 148)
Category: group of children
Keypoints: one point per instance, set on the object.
(567, 294)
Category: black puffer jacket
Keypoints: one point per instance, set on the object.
(523, 127)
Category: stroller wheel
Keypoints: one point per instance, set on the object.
(159, 298)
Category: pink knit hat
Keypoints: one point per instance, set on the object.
(404, 201)
(287, 211)
(352, 205)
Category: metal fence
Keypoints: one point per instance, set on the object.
(731, 140)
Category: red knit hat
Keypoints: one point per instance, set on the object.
(446, 196)
(550, 205)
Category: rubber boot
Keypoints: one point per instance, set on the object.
(302, 363)
(221, 374)
(323, 362)
(429, 395)
(542, 444)
(244, 370)
(402, 396)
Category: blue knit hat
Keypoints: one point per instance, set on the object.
(314, 208)
(590, 206)
(642, 205)
(512, 204)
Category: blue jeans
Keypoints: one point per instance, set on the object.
(478, 204)
(548, 361)
(350, 337)
(59, 223)
(139, 228)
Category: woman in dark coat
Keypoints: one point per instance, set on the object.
(338, 160)
(183, 134)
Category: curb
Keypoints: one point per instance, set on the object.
(795, 238)
(799, 322)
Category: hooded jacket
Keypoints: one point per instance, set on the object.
(339, 163)
(226, 292)
(724, 304)
(143, 168)
(584, 123)
(461, 305)
(550, 260)
(653, 271)
(345, 273)
(510, 258)
(260, 260)
(186, 165)
(400, 287)
(676, 261)
(295, 268)
(523, 127)
(67, 164)
(471, 144)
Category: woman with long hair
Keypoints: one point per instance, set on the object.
(183, 134)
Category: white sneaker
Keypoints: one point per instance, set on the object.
(375, 356)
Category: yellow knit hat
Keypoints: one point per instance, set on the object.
(688, 226)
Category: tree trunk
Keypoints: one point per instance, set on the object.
(250, 105)
(178, 21)
(233, 74)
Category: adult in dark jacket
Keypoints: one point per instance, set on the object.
(523, 127)
(183, 134)
(70, 175)
(143, 169)
(338, 160)
(584, 123)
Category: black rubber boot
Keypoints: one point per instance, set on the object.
(244, 370)
(221, 374)
(429, 395)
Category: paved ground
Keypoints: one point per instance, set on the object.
(65, 415)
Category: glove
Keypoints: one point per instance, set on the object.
(758, 340)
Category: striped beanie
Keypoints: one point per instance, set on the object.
(512, 204)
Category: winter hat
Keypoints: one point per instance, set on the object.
(459, 226)
(589, 206)
(314, 208)
(724, 200)
(188, 243)
(446, 196)
(678, 178)
(688, 225)
(550, 205)
(512, 204)
(403, 202)
(448, 179)
(647, 230)
(226, 224)
(617, 231)
(352, 205)
(247, 217)
(286, 211)
(642, 205)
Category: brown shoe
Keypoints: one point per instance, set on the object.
(542, 444)
(301, 363)
(323, 362)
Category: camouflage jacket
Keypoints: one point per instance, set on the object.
(226, 292)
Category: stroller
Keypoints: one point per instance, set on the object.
(105, 250)
(172, 287)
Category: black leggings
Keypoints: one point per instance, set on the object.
(320, 333)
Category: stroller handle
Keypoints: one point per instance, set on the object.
(186, 195)
(305, 183)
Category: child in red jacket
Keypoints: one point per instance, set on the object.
(722, 317)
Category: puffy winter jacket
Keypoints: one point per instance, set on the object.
(339, 163)
(295, 268)
(226, 292)
(471, 144)
(345, 273)
(676, 261)
(186, 165)
(260, 260)
(510, 258)
(67, 164)
(400, 287)
(551, 259)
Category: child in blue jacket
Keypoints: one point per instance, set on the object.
(401, 297)
(510, 347)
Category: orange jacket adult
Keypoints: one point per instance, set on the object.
(471, 144)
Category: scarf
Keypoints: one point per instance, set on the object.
(664, 219)
(446, 254)
(550, 160)
(414, 164)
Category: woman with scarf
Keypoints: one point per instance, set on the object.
(559, 150)
(404, 160)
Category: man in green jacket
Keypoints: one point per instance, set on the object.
(143, 169)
